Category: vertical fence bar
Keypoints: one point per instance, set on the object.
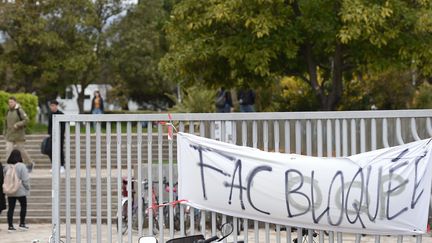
(108, 181)
(288, 234)
(88, 183)
(98, 184)
(385, 133)
(414, 129)
(399, 239)
(374, 147)
(171, 186)
(266, 147)
(160, 172)
(338, 154)
(339, 237)
(224, 138)
(354, 148)
(149, 162)
(429, 126)
(78, 181)
(119, 185)
(298, 140)
(276, 149)
(362, 136)
(344, 137)
(287, 134)
(319, 139)
(139, 179)
(309, 137)
(244, 143)
(149, 193)
(320, 154)
(329, 139)
(353, 137)
(129, 177)
(192, 210)
(213, 214)
(309, 153)
(182, 208)
(255, 145)
(373, 134)
(203, 213)
(338, 137)
(344, 153)
(68, 182)
(399, 131)
(298, 135)
(56, 178)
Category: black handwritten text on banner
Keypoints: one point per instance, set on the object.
(385, 191)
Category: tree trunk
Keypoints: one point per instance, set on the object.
(336, 93)
(81, 97)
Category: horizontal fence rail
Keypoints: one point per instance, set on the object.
(113, 193)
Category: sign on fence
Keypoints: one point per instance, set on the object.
(385, 191)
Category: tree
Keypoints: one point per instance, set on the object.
(27, 61)
(82, 25)
(137, 42)
(231, 42)
(55, 43)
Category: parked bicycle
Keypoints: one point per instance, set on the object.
(145, 207)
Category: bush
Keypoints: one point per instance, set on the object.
(423, 97)
(28, 102)
(196, 99)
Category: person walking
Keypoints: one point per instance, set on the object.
(14, 131)
(223, 101)
(53, 105)
(246, 98)
(97, 106)
(15, 159)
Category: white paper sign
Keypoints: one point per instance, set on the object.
(383, 192)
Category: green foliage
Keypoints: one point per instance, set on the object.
(423, 97)
(231, 43)
(196, 99)
(387, 90)
(28, 102)
(295, 95)
(137, 44)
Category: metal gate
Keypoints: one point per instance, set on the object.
(104, 151)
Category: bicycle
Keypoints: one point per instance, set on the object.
(145, 208)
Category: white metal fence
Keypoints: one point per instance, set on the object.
(88, 205)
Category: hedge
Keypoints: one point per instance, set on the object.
(28, 102)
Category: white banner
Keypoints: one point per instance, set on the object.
(385, 191)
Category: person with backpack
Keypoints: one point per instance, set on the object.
(16, 186)
(246, 98)
(14, 131)
(53, 104)
(223, 101)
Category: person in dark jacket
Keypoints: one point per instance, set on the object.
(224, 102)
(53, 104)
(2, 195)
(97, 106)
(246, 98)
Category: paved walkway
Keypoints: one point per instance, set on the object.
(39, 233)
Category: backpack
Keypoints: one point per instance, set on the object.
(11, 182)
(46, 146)
(221, 99)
